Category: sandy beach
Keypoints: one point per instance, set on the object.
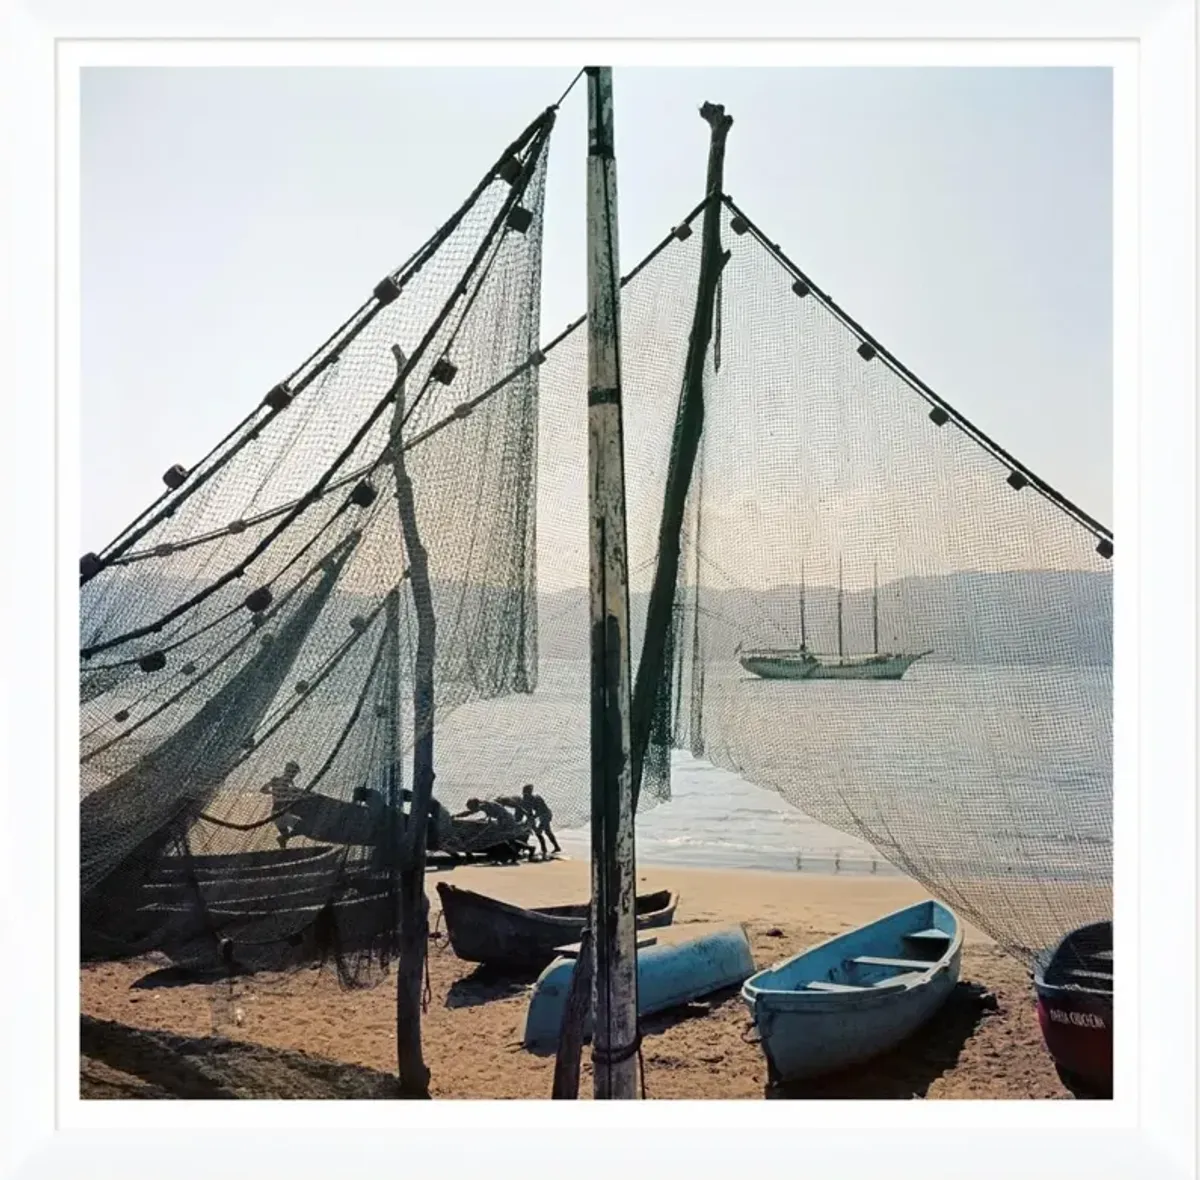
(985, 1043)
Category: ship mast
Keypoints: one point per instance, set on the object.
(841, 646)
(803, 635)
(875, 608)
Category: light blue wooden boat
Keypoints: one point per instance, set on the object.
(857, 995)
(668, 975)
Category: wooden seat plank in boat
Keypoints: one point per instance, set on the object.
(932, 935)
(1080, 973)
(899, 964)
(825, 985)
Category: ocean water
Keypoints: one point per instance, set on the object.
(961, 772)
(716, 819)
(955, 771)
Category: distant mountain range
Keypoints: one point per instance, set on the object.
(1023, 617)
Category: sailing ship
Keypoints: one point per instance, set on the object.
(802, 664)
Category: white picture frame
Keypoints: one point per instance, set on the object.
(1148, 1128)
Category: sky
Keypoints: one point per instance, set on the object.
(231, 218)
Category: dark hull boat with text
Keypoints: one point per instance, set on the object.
(1074, 986)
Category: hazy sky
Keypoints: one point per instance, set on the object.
(233, 217)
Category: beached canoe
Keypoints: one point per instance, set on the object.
(484, 930)
(1074, 987)
(857, 995)
(668, 975)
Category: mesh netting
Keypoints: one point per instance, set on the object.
(249, 643)
(959, 716)
(243, 753)
(963, 724)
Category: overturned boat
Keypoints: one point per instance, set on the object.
(668, 974)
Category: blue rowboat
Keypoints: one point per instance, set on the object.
(856, 995)
(667, 976)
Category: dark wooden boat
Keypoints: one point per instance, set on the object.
(484, 930)
(462, 838)
(1074, 986)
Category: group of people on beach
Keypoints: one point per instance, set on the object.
(526, 809)
(319, 817)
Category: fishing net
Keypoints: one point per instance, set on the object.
(879, 613)
(249, 643)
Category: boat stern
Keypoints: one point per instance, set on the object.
(1077, 1029)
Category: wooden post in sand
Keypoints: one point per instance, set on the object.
(570, 1041)
(414, 905)
(614, 992)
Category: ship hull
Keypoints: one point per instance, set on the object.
(784, 667)
(778, 667)
(882, 668)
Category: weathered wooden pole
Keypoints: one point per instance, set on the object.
(614, 985)
(689, 425)
(570, 1040)
(414, 905)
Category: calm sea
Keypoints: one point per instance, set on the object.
(972, 770)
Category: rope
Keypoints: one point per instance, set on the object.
(437, 936)
(568, 90)
(616, 1056)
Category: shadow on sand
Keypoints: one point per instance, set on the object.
(181, 976)
(913, 1066)
(486, 984)
(659, 1022)
(118, 1061)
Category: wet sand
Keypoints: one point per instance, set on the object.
(303, 1036)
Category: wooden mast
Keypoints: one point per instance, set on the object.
(685, 448)
(614, 985)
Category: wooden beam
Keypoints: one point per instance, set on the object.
(414, 905)
(614, 996)
(570, 1039)
(688, 429)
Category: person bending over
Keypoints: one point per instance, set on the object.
(525, 819)
(489, 809)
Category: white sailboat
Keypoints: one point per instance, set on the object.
(802, 664)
